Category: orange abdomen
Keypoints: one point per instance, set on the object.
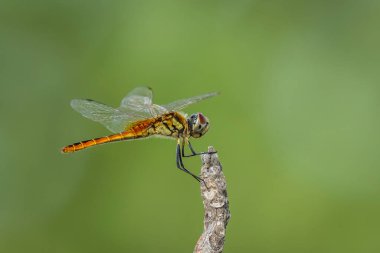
(89, 143)
(138, 130)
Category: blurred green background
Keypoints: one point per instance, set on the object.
(296, 124)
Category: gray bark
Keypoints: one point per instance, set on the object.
(216, 206)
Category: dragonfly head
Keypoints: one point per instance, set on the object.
(198, 125)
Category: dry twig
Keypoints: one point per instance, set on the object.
(215, 201)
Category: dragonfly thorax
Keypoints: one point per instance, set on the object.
(198, 125)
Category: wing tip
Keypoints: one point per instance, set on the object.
(74, 102)
(212, 94)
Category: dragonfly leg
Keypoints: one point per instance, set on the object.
(193, 152)
(182, 167)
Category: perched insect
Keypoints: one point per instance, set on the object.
(137, 117)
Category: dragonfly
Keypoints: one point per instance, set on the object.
(138, 117)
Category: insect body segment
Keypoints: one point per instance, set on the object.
(89, 143)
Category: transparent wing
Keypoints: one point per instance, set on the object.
(180, 104)
(137, 105)
(140, 100)
(113, 119)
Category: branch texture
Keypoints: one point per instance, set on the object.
(215, 202)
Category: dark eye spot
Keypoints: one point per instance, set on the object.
(199, 127)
